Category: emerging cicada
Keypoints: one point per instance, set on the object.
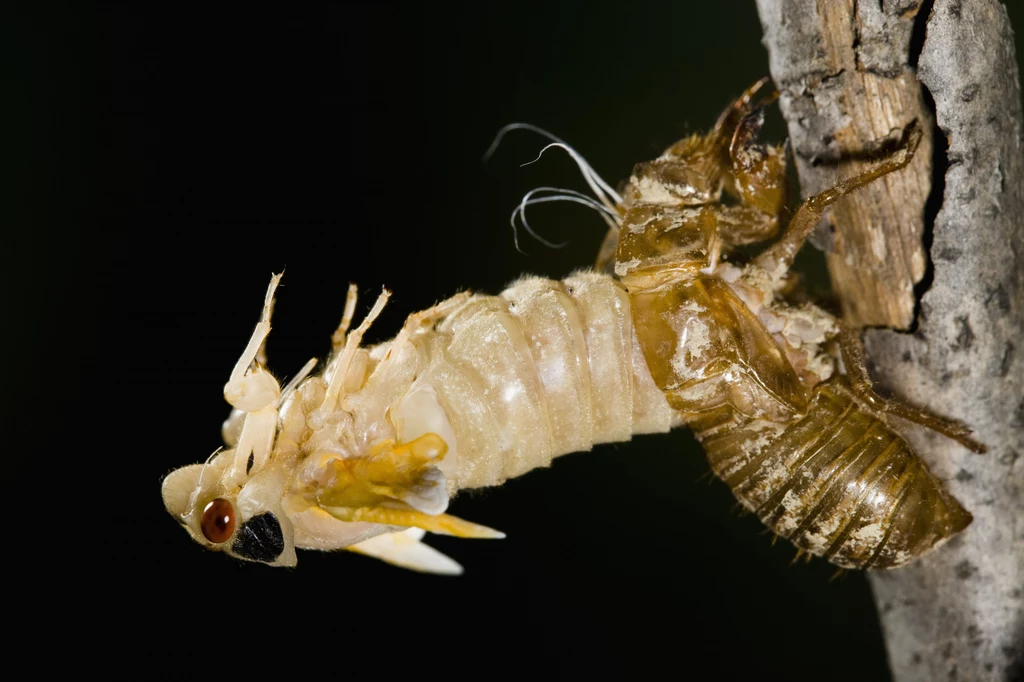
(664, 332)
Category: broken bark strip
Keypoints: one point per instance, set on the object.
(958, 613)
(847, 89)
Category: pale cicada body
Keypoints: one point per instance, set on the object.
(366, 454)
(472, 392)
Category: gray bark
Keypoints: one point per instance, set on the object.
(958, 613)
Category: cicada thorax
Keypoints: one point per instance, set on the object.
(815, 463)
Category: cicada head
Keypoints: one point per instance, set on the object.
(240, 516)
(326, 463)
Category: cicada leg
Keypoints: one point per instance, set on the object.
(779, 257)
(341, 333)
(729, 119)
(860, 383)
(757, 177)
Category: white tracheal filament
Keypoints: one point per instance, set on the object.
(607, 203)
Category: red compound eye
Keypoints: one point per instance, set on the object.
(218, 520)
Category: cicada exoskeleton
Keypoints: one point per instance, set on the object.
(366, 454)
(810, 450)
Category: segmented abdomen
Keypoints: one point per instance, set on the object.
(543, 369)
(838, 482)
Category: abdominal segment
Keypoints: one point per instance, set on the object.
(544, 369)
(838, 481)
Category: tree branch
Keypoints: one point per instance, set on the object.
(847, 89)
(845, 71)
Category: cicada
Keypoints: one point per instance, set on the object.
(671, 328)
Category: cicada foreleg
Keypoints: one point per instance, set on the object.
(731, 116)
(757, 177)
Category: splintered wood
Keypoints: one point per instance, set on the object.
(847, 90)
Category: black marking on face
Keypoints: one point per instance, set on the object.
(248, 465)
(260, 539)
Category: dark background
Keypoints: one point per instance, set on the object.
(166, 161)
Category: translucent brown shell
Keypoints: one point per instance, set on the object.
(853, 492)
(817, 460)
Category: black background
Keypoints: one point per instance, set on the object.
(167, 160)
